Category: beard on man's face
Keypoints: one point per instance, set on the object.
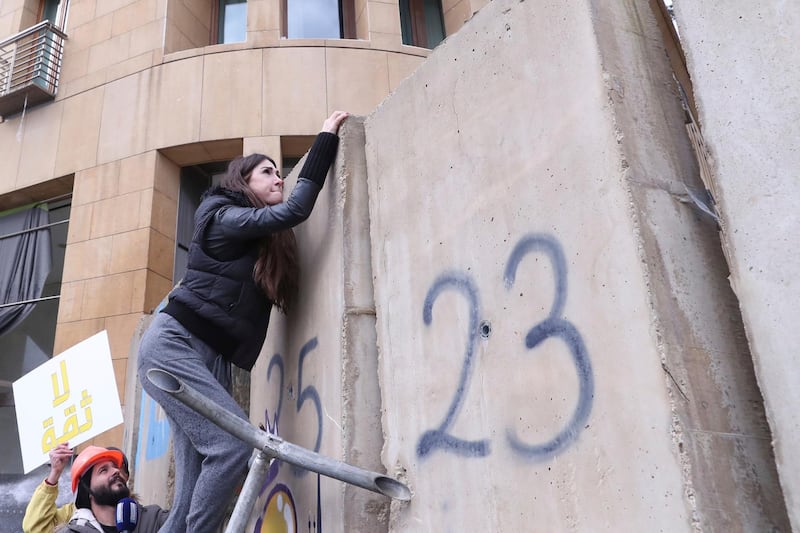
(111, 493)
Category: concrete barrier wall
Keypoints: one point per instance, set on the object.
(745, 68)
(528, 319)
(555, 349)
(315, 383)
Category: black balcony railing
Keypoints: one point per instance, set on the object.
(30, 62)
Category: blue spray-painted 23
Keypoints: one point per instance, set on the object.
(552, 326)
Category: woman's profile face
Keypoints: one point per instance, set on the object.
(265, 181)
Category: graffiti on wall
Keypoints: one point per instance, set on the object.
(279, 512)
(154, 433)
(553, 326)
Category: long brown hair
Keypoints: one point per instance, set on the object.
(276, 270)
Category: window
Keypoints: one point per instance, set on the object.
(54, 11)
(319, 19)
(422, 22)
(28, 341)
(232, 21)
(195, 180)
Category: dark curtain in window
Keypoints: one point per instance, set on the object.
(24, 263)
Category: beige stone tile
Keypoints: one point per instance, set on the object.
(455, 17)
(80, 126)
(400, 67)
(447, 5)
(164, 215)
(175, 105)
(135, 15)
(161, 256)
(80, 223)
(175, 43)
(123, 127)
(68, 334)
(167, 178)
(224, 149)
(201, 10)
(84, 83)
(69, 305)
(121, 329)
(232, 109)
(362, 25)
(303, 43)
(180, 54)
(294, 91)
(146, 38)
(120, 373)
(195, 30)
(225, 47)
(386, 41)
(157, 288)
(107, 6)
(9, 25)
(357, 80)
(116, 215)
(138, 291)
(146, 208)
(87, 259)
(264, 39)
(89, 34)
(270, 145)
(96, 183)
(109, 52)
(80, 12)
(39, 141)
(129, 251)
(137, 172)
(10, 148)
(110, 295)
(74, 65)
(383, 18)
(96, 31)
(263, 15)
(114, 436)
(130, 66)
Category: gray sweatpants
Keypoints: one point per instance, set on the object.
(209, 462)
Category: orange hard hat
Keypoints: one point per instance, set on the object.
(90, 457)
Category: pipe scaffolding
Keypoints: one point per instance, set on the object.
(269, 446)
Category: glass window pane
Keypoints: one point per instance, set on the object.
(313, 19)
(232, 21)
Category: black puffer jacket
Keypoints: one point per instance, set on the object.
(218, 300)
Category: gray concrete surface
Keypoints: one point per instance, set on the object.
(745, 68)
(316, 381)
(555, 353)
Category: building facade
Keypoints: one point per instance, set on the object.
(106, 104)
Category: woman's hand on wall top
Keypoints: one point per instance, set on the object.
(332, 123)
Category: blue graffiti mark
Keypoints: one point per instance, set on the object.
(440, 438)
(276, 361)
(551, 248)
(308, 393)
(553, 326)
(156, 443)
(272, 427)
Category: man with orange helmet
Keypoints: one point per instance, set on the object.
(99, 481)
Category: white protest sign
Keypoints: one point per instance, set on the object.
(71, 398)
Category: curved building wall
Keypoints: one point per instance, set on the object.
(141, 94)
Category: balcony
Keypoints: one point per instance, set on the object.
(30, 62)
